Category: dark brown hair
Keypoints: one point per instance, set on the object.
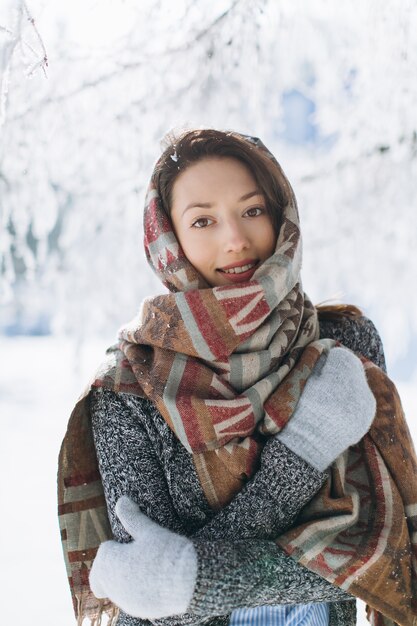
(195, 145)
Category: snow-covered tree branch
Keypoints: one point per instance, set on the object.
(330, 88)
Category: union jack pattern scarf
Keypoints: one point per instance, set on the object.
(225, 367)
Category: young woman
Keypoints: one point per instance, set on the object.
(217, 417)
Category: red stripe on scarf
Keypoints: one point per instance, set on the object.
(156, 223)
(191, 423)
(82, 555)
(82, 479)
(234, 305)
(206, 324)
(81, 505)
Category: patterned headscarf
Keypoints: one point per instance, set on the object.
(211, 358)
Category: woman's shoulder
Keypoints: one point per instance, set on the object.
(128, 417)
(358, 333)
(111, 409)
(103, 399)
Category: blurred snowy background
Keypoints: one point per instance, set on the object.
(87, 90)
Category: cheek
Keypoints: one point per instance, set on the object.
(199, 255)
(195, 252)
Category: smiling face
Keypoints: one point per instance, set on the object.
(220, 219)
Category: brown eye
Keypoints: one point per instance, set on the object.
(254, 211)
(202, 222)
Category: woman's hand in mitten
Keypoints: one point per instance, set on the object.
(153, 576)
(335, 410)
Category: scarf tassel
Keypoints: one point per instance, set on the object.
(97, 620)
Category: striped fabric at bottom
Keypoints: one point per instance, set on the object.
(294, 615)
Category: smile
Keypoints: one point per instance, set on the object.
(240, 269)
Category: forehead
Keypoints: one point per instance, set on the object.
(211, 175)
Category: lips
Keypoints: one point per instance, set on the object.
(239, 267)
(240, 272)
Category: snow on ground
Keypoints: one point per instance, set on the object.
(38, 388)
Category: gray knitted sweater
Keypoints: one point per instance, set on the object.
(238, 563)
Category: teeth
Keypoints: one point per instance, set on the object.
(240, 270)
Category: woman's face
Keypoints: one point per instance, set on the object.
(220, 219)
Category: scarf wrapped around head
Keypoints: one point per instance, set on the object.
(211, 358)
(225, 366)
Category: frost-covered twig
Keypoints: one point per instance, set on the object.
(22, 41)
(16, 39)
(210, 27)
(7, 56)
(43, 62)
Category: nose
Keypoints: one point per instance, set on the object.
(235, 237)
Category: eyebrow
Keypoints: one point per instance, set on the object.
(208, 205)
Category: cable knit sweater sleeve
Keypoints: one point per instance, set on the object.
(237, 564)
(359, 335)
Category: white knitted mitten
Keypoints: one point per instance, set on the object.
(153, 576)
(334, 411)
